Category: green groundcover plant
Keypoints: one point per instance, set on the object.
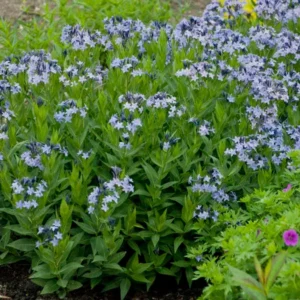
(258, 251)
(130, 149)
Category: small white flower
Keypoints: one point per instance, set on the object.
(58, 236)
(82, 79)
(17, 187)
(38, 244)
(166, 146)
(85, 155)
(40, 229)
(3, 136)
(54, 242)
(19, 204)
(34, 203)
(46, 149)
(91, 209)
(56, 224)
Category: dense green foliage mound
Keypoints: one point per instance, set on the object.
(132, 148)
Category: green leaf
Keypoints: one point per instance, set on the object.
(61, 294)
(70, 267)
(141, 192)
(235, 169)
(74, 285)
(99, 246)
(168, 184)
(111, 285)
(133, 245)
(181, 263)
(189, 273)
(50, 287)
(40, 282)
(140, 268)
(187, 210)
(156, 162)
(17, 147)
(113, 267)
(20, 230)
(95, 281)
(2, 256)
(42, 275)
(76, 239)
(273, 268)
(42, 212)
(130, 220)
(124, 287)
(64, 210)
(5, 236)
(87, 228)
(99, 258)
(23, 245)
(165, 271)
(46, 256)
(9, 211)
(67, 251)
(155, 239)
(9, 259)
(62, 282)
(251, 286)
(159, 259)
(220, 112)
(177, 242)
(139, 278)
(175, 228)
(151, 173)
(259, 270)
(95, 273)
(117, 257)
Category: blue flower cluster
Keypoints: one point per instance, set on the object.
(50, 234)
(33, 156)
(211, 184)
(68, 109)
(109, 191)
(30, 190)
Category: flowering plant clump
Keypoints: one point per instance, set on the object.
(109, 190)
(52, 234)
(133, 149)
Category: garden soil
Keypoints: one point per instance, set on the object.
(16, 285)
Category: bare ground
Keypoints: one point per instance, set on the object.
(16, 9)
(16, 285)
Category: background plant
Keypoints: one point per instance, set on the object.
(255, 231)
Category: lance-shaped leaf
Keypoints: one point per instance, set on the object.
(273, 268)
(251, 286)
(259, 271)
(124, 287)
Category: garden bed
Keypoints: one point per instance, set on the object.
(136, 154)
(16, 285)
